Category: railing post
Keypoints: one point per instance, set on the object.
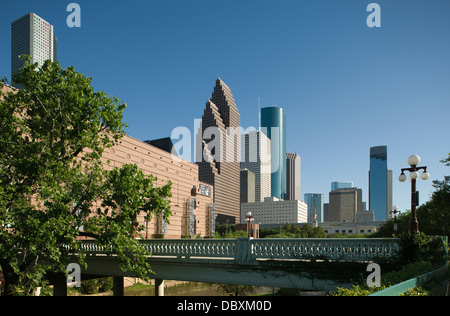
(159, 287)
(244, 251)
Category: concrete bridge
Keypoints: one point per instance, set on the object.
(309, 264)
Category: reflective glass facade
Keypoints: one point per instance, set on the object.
(273, 124)
(315, 206)
(341, 185)
(379, 194)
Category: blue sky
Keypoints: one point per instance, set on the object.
(345, 87)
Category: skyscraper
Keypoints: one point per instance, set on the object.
(380, 184)
(273, 124)
(293, 176)
(345, 204)
(218, 152)
(31, 35)
(255, 156)
(341, 185)
(315, 207)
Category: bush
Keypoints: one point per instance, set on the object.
(417, 247)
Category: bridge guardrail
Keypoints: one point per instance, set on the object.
(246, 250)
(333, 249)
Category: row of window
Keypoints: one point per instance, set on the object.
(349, 231)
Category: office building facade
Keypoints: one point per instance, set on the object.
(247, 186)
(315, 207)
(32, 35)
(380, 184)
(273, 124)
(275, 211)
(344, 204)
(293, 176)
(218, 150)
(256, 157)
(341, 185)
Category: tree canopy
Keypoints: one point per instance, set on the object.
(53, 186)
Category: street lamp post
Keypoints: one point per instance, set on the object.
(249, 218)
(413, 161)
(395, 212)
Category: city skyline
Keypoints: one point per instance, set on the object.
(344, 87)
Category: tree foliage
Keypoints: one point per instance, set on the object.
(294, 231)
(53, 187)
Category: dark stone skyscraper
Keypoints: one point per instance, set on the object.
(218, 152)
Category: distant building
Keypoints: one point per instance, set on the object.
(341, 185)
(293, 176)
(315, 207)
(164, 144)
(380, 184)
(273, 124)
(247, 186)
(32, 35)
(256, 157)
(326, 212)
(344, 204)
(351, 228)
(275, 211)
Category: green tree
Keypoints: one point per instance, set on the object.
(53, 134)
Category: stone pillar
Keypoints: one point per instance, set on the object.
(118, 288)
(159, 287)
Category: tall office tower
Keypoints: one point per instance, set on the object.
(273, 124)
(341, 185)
(345, 204)
(380, 184)
(31, 35)
(219, 147)
(247, 186)
(293, 176)
(255, 156)
(315, 207)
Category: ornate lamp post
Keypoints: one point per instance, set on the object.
(413, 161)
(395, 215)
(249, 218)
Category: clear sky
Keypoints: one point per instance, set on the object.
(345, 87)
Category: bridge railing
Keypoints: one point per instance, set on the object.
(246, 250)
(333, 249)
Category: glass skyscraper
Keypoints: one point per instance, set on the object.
(315, 207)
(380, 184)
(341, 185)
(273, 124)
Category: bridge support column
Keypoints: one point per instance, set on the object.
(159, 287)
(118, 288)
(60, 285)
